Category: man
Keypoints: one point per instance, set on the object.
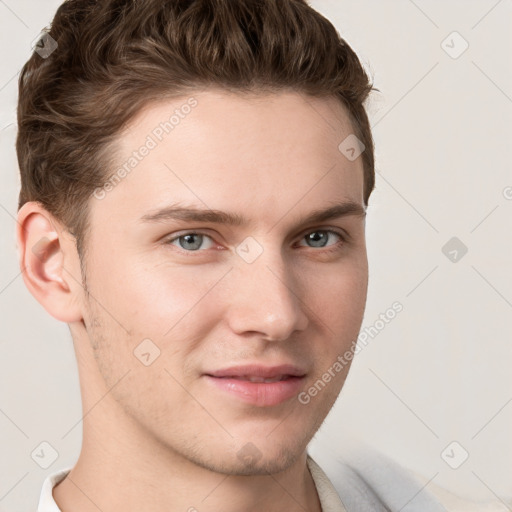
(195, 177)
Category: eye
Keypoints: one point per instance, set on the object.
(319, 239)
(190, 242)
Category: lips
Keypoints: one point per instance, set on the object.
(252, 378)
(259, 385)
(258, 373)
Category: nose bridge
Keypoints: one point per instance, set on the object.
(265, 295)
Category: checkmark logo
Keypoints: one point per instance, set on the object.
(146, 352)
(249, 249)
(44, 455)
(454, 455)
(351, 147)
(454, 45)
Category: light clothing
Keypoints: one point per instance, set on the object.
(369, 481)
(46, 501)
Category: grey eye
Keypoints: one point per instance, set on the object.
(190, 242)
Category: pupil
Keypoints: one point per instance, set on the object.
(188, 239)
(314, 238)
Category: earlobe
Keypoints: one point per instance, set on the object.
(48, 263)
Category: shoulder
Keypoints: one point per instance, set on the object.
(392, 485)
(371, 473)
(368, 480)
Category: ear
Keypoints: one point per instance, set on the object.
(49, 262)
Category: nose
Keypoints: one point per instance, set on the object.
(266, 298)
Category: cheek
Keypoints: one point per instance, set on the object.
(152, 297)
(340, 296)
(339, 308)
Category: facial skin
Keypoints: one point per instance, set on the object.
(161, 437)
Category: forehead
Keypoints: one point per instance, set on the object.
(218, 148)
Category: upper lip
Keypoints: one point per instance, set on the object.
(253, 370)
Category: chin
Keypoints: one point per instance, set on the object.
(250, 458)
(264, 465)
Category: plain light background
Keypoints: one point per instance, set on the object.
(439, 372)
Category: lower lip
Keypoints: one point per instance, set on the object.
(263, 394)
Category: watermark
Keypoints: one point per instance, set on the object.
(152, 140)
(249, 249)
(454, 249)
(44, 455)
(249, 453)
(351, 147)
(44, 44)
(146, 352)
(507, 193)
(455, 455)
(454, 45)
(356, 346)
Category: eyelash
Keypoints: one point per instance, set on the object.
(333, 248)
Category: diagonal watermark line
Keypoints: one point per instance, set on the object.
(205, 294)
(422, 280)
(425, 14)
(286, 491)
(12, 280)
(10, 79)
(281, 422)
(187, 186)
(403, 402)
(494, 209)
(14, 485)
(85, 494)
(414, 86)
(215, 488)
(416, 494)
(501, 408)
(82, 418)
(506, 505)
(408, 202)
(13, 423)
(320, 115)
(493, 287)
(492, 81)
(499, 1)
(2, 2)
(205, 409)
(6, 126)
(301, 198)
(302, 302)
(11, 215)
(97, 301)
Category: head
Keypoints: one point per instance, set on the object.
(229, 106)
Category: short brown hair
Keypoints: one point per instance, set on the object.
(114, 57)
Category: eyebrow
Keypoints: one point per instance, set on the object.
(194, 214)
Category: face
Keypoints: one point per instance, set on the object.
(175, 300)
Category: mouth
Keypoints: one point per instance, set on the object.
(254, 378)
(256, 371)
(258, 385)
